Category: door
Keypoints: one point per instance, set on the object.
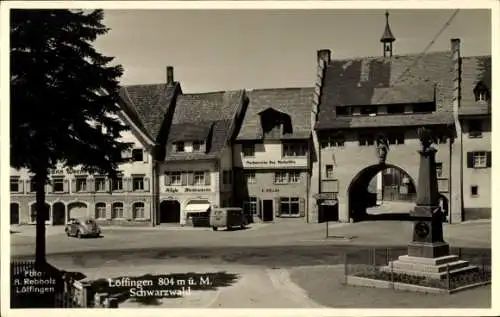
(267, 210)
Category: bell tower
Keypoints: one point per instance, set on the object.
(387, 38)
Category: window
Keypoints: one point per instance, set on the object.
(179, 147)
(100, 211)
(366, 139)
(343, 111)
(117, 210)
(396, 138)
(482, 96)
(479, 159)
(368, 110)
(137, 155)
(481, 92)
(198, 146)
(294, 177)
(137, 183)
(474, 190)
(199, 178)
(14, 185)
(138, 210)
(395, 109)
(100, 184)
(32, 185)
(81, 184)
(58, 185)
(250, 177)
(329, 171)
(424, 108)
(117, 183)
(289, 206)
(175, 178)
(475, 129)
(439, 169)
(294, 149)
(280, 177)
(248, 149)
(227, 178)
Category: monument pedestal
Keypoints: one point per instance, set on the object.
(434, 268)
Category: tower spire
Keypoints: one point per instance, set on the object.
(387, 37)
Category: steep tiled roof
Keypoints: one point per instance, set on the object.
(194, 112)
(345, 122)
(190, 131)
(294, 102)
(148, 104)
(344, 78)
(475, 69)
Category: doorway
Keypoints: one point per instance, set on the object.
(267, 210)
(58, 214)
(170, 211)
(14, 214)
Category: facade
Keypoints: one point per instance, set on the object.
(72, 193)
(366, 112)
(196, 172)
(271, 154)
(325, 153)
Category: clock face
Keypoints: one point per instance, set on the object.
(422, 229)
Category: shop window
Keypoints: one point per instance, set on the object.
(100, 211)
(138, 210)
(289, 206)
(117, 211)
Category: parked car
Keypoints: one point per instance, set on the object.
(227, 217)
(80, 228)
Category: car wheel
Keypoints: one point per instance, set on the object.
(214, 228)
(78, 234)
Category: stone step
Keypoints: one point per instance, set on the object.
(433, 275)
(429, 261)
(412, 266)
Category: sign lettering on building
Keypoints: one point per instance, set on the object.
(270, 190)
(187, 189)
(270, 162)
(67, 170)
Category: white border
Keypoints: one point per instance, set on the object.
(4, 137)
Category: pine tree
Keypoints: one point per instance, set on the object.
(60, 87)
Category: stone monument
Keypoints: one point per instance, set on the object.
(428, 253)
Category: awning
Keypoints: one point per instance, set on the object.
(325, 196)
(329, 202)
(196, 208)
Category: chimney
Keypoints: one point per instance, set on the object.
(324, 55)
(170, 75)
(456, 60)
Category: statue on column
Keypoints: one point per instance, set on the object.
(382, 147)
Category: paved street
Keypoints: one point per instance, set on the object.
(267, 259)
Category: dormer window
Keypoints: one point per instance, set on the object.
(198, 146)
(179, 146)
(481, 92)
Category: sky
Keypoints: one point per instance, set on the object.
(214, 50)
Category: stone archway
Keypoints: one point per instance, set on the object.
(77, 210)
(59, 214)
(14, 213)
(33, 212)
(170, 212)
(360, 198)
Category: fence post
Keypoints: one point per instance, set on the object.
(448, 279)
(392, 274)
(346, 270)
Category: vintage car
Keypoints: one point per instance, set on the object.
(85, 227)
(227, 217)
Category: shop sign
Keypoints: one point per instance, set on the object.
(187, 189)
(270, 190)
(256, 163)
(67, 170)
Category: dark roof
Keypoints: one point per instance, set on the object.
(295, 103)
(190, 131)
(207, 114)
(387, 36)
(344, 122)
(475, 69)
(359, 81)
(147, 105)
(215, 144)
